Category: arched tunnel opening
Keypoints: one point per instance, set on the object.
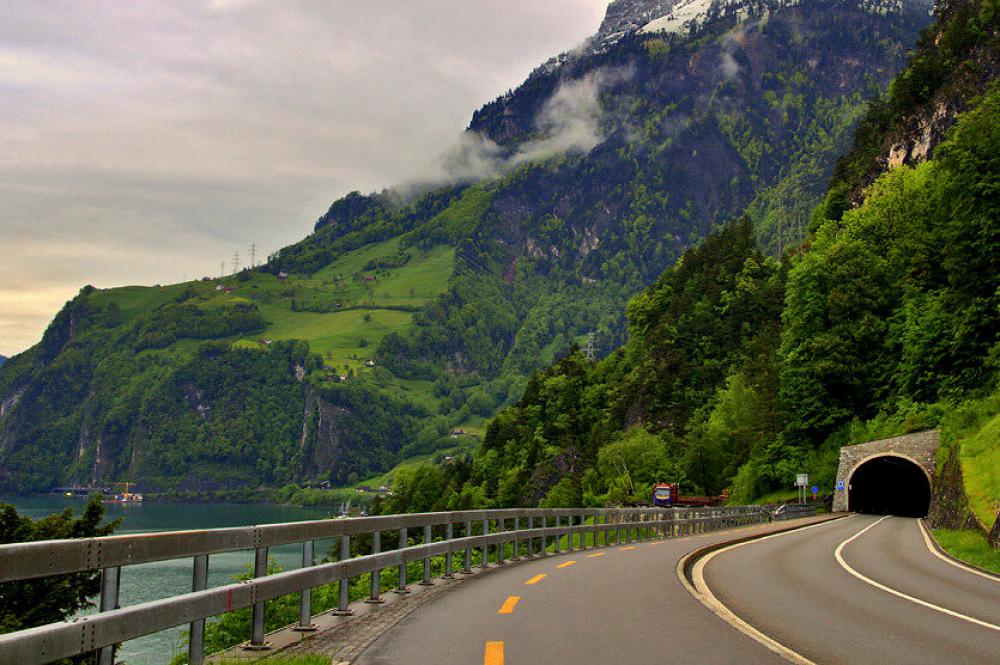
(890, 486)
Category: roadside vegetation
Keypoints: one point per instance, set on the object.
(31, 603)
(969, 546)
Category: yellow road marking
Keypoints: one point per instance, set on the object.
(658, 542)
(567, 564)
(630, 547)
(494, 653)
(537, 578)
(509, 605)
(596, 554)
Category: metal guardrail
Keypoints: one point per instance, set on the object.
(443, 534)
(791, 511)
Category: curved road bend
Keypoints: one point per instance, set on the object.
(617, 605)
(793, 588)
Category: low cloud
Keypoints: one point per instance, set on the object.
(731, 43)
(570, 121)
(728, 66)
(473, 157)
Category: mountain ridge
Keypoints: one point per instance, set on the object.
(424, 313)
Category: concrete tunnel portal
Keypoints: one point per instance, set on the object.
(889, 476)
(889, 485)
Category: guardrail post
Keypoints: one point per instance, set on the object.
(110, 587)
(501, 527)
(569, 532)
(467, 569)
(529, 541)
(305, 598)
(517, 541)
(486, 548)
(557, 537)
(344, 583)
(376, 580)
(401, 588)
(428, 537)
(449, 533)
(257, 634)
(196, 630)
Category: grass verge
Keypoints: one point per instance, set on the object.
(969, 546)
(308, 659)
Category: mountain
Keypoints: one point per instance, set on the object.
(3, 359)
(741, 369)
(417, 311)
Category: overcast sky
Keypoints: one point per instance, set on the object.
(145, 142)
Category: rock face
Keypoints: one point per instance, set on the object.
(629, 15)
(949, 505)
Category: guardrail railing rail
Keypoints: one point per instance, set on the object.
(531, 533)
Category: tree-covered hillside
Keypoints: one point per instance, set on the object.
(407, 314)
(741, 370)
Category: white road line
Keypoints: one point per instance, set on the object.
(949, 560)
(704, 594)
(867, 580)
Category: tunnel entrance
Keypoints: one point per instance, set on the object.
(890, 485)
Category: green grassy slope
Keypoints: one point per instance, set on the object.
(969, 546)
(980, 456)
(358, 314)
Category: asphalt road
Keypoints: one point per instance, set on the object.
(617, 605)
(794, 589)
(626, 605)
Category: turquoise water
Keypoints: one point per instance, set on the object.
(166, 578)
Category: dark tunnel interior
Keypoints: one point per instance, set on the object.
(890, 486)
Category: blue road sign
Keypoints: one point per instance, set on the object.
(840, 485)
(815, 489)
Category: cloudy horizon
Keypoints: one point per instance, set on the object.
(148, 143)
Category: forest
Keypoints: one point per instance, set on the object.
(741, 369)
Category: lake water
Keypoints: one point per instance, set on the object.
(166, 578)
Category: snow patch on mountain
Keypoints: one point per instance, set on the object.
(680, 16)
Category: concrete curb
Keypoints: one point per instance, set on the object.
(935, 547)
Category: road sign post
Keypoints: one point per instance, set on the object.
(802, 482)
